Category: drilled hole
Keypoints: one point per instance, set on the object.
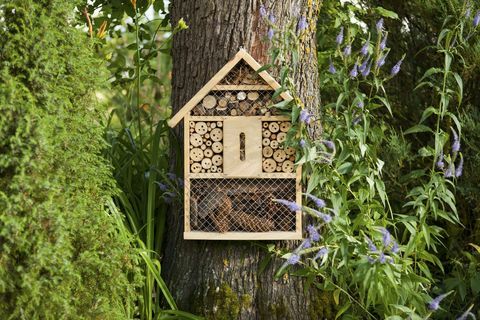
(242, 146)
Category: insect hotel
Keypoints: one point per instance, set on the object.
(235, 160)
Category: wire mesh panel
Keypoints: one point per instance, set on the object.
(242, 73)
(241, 205)
(237, 103)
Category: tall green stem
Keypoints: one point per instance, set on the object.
(137, 79)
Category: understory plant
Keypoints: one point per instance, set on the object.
(379, 259)
(135, 47)
(62, 253)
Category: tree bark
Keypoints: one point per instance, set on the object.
(220, 280)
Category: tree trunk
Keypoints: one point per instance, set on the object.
(220, 280)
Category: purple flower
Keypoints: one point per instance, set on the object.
(263, 11)
(395, 248)
(162, 186)
(366, 72)
(325, 217)
(347, 51)
(364, 65)
(302, 143)
(313, 233)
(172, 176)
(468, 12)
(396, 68)
(476, 19)
(459, 169)
(293, 206)
(302, 24)
(271, 18)
(381, 60)
(321, 253)
(307, 243)
(383, 44)
(379, 25)
(364, 49)
(450, 171)
(293, 259)
(381, 258)
(354, 71)
(360, 104)
(339, 38)
(440, 163)
(467, 313)
(371, 260)
(270, 33)
(371, 246)
(386, 237)
(329, 144)
(331, 68)
(435, 303)
(456, 141)
(320, 203)
(305, 116)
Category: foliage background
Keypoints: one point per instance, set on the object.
(63, 250)
(62, 253)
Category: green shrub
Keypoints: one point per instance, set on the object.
(61, 254)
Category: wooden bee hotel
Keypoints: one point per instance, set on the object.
(235, 160)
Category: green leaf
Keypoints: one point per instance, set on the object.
(264, 263)
(342, 310)
(336, 296)
(428, 112)
(460, 86)
(386, 103)
(381, 190)
(418, 128)
(430, 72)
(386, 13)
(345, 168)
(457, 122)
(313, 182)
(448, 61)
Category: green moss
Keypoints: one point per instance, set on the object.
(277, 311)
(222, 303)
(322, 306)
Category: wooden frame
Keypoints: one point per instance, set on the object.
(248, 173)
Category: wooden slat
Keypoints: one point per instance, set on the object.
(205, 89)
(222, 118)
(233, 165)
(186, 171)
(244, 87)
(298, 216)
(263, 175)
(272, 235)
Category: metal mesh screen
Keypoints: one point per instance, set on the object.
(242, 73)
(237, 103)
(243, 205)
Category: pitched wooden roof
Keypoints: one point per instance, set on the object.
(241, 55)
